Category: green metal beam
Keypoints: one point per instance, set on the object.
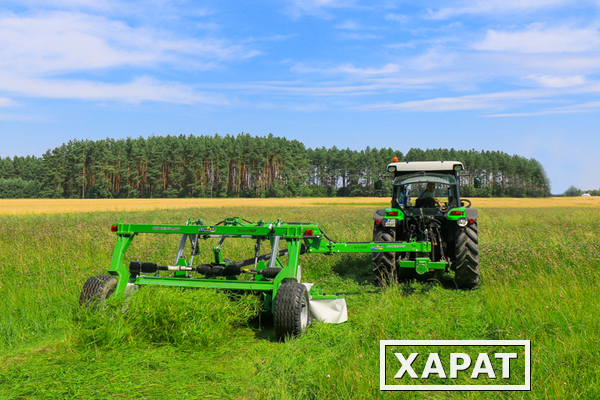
(204, 283)
(325, 247)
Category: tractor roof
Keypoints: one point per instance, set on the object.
(417, 166)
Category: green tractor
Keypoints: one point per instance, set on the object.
(427, 208)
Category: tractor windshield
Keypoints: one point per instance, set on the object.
(408, 188)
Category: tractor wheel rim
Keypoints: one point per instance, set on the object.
(304, 313)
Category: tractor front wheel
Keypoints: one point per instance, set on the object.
(290, 312)
(466, 264)
(97, 289)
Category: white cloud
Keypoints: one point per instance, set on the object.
(273, 38)
(35, 48)
(557, 81)
(350, 25)
(309, 90)
(434, 105)
(348, 69)
(539, 69)
(396, 17)
(62, 41)
(166, 9)
(208, 26)
(550, 64)
(140, 89)
(5, 102)
(363, 82)
(353, 25)
(433, 59)
(492, 101)
(400, 45)
(98, 5)
(494, 7)
(359, 36)
(538, 39)
(319, 8)
(592, 106)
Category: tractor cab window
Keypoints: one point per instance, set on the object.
(409, 188)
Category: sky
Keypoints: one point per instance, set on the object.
(518, 76)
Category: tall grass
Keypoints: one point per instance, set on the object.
(541, 272)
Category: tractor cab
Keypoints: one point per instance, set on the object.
(409, 191)
(413, 179)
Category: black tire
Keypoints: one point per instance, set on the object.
(97, 289)
(290, 312)
(384, 264)
(466, 264)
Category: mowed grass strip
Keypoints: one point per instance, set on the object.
(40, 206)
(541, 272)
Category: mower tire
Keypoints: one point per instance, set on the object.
(97, 289)
(290, 312)
(466, 264)
(384, 265)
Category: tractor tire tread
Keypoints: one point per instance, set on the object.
(466, 274)
(97, 289)
(287, 310)
(384, 264)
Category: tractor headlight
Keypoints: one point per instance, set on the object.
(462, 222)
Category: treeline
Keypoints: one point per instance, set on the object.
(574, 191)
(242, 166)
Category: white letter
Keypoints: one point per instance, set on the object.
(406, 368)
(477, 369)
(505, 363)
(454, 366)
(434, 358)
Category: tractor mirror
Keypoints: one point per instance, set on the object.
(379, 185)
(477, 183)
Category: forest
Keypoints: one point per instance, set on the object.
(244, 166)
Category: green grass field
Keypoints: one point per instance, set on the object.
(541, 272)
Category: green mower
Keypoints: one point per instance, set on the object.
(293, 303)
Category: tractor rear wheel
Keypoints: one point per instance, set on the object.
(290, 311)
(97, 289)
(384, 264)
(466, 264)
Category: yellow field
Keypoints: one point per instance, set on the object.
(38, 206)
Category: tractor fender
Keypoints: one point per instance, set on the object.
(379, 214)
(471, 213)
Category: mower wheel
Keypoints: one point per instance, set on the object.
(290, 313)
(384, 265)
(466, 265)
(97, 289)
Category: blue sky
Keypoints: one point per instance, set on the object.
(519, 76)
